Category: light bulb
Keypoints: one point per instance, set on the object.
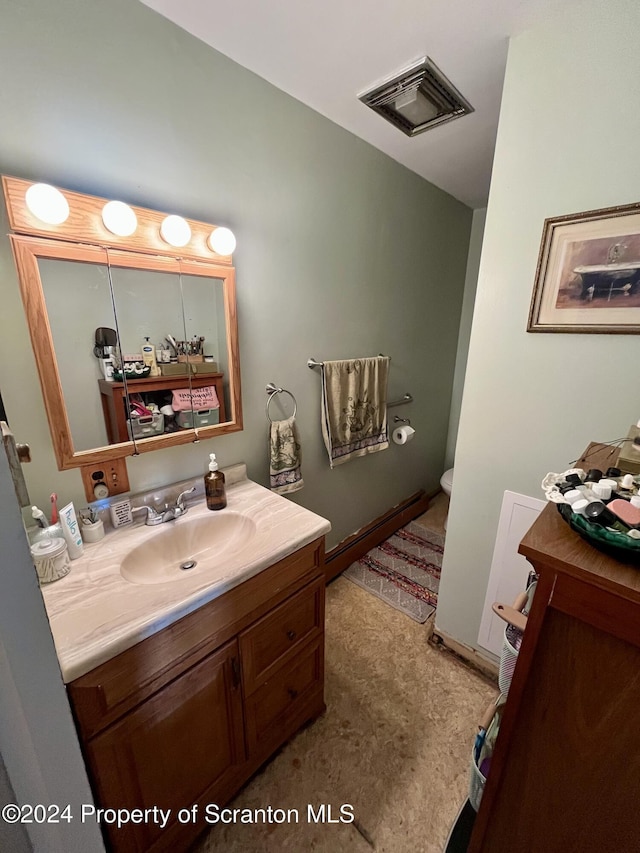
(119, 218)
(175, 231)
(222, 241)
(47, 204)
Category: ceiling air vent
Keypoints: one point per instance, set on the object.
(417, 99)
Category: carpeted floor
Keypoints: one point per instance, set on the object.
(404, 570)
(395, 742)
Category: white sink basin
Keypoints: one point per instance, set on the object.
(180, 549)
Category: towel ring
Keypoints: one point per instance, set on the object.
(272, 391)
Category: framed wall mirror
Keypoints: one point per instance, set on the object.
(95, 301)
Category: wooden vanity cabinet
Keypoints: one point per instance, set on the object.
(565, 774)
(188, 715)
(182, 745)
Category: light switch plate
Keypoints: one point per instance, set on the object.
(112, 473)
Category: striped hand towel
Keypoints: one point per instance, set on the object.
(354, 407)
(284, 457)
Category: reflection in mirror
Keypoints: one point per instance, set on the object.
(204, 317)
(148, 307)
(185, 384)
(78, 301)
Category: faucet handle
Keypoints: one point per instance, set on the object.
(153, 516)
(180, 498)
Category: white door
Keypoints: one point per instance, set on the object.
(38, 741)
(509, 570)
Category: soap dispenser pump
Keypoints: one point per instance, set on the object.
(214, 485)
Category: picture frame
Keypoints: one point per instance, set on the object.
(588, 273)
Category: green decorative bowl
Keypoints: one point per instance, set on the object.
(131, 374)
(617, 545)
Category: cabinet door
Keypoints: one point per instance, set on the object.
(181, 746)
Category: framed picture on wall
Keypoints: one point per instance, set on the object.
(588, 275)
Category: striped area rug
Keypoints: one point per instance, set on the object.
(404, 570)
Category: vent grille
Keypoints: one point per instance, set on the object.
(432, 99)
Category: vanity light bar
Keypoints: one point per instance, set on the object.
(47, 204)
(119, 218)
(48, 211)
(222, 241)
(175, 231)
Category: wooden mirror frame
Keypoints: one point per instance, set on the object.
(84, 238)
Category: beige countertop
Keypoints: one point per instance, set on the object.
(95, 613)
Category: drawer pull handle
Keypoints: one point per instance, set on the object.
(291, 635)
(293, 693)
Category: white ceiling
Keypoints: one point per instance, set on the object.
(326, 54)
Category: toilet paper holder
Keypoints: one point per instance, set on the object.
(398, 420)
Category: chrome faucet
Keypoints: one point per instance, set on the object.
(168, 514)
(179, 508)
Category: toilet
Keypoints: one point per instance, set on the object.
(446, 482)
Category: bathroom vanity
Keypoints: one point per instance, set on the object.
(178, 703)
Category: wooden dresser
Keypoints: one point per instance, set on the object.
(565, 773)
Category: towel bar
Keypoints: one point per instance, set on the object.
(311, 362)
(272, 390)
(407, 398)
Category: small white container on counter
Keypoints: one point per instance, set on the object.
(93, 532)
(51, 559)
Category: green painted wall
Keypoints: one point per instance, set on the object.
(341, 251)
(532, 402)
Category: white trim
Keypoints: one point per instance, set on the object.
(485, 664)
(509, 570)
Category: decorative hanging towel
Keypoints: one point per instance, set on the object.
(184, 400)
(354, 407)
(284, 457)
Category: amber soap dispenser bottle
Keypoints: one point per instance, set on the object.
(214, 485)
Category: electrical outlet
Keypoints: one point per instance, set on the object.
(102, 480)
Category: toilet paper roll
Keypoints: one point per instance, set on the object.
(401, 435)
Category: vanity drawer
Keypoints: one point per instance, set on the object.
(272, 712)
(278, 636)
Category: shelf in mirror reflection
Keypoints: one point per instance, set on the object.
(113, 396)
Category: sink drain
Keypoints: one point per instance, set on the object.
(188, 564)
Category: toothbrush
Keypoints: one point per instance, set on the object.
(54, 508)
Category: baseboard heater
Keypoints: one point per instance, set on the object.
(359, 543)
